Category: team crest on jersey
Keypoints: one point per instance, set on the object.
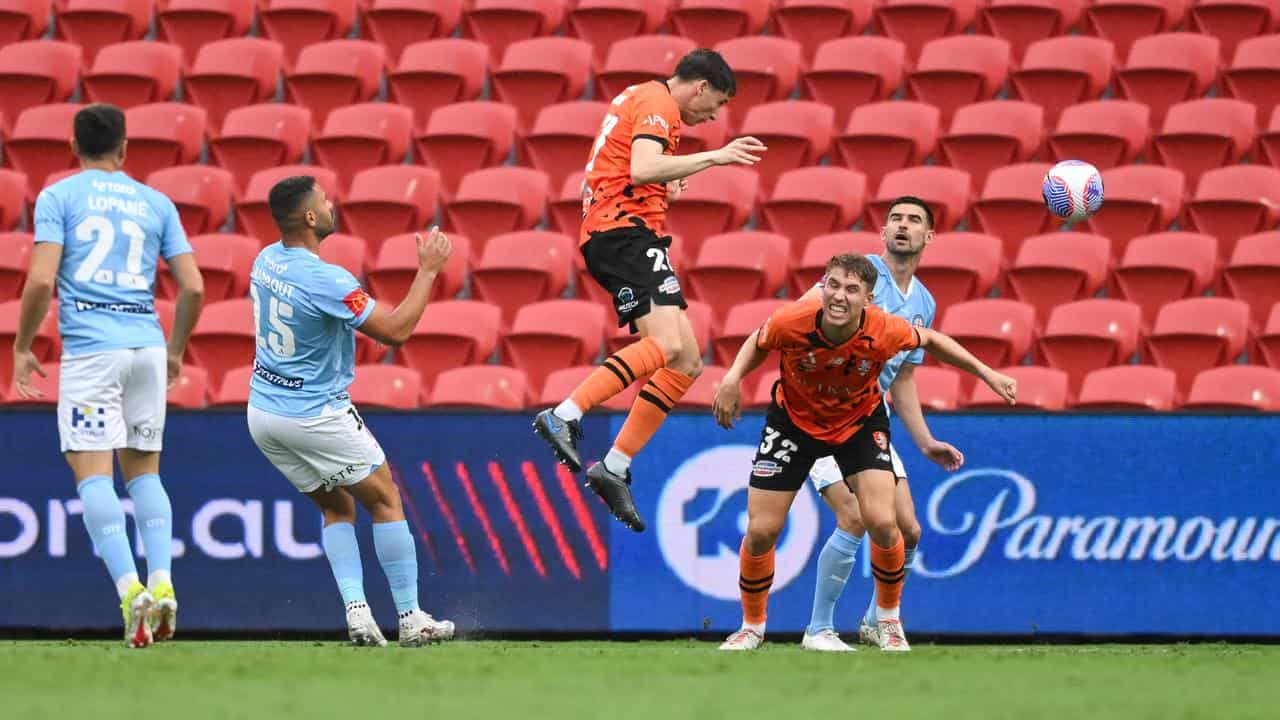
(808, 364)
(881, 439)
(918, 321)
(864, 366)
(835, 362)
(356, 301)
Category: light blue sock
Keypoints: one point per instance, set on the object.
(154, 516)
(394, 545)
(104, 519)
(870, 617)
(835, 563)
(340, 546)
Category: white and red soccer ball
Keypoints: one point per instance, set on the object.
(1073, 190)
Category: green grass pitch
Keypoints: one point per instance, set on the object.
(621, 680)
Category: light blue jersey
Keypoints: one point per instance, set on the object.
(916, 306)
(112, 229)
(305, 312)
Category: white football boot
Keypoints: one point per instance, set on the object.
(867, 634)
(743, 639)
(418, 628)
(825, 641)
(362, 628)
(891, 636)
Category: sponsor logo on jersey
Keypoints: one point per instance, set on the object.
(864, 366)
(881, 439)
(670, 286)
(765, 468)
(656, 120)
(356, 301)
(626, 300)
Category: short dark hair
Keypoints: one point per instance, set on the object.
(704, 64)
(858, 265)
(913, 200)
(286, 197)
(99, 130)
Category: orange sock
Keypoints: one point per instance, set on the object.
(888, 565)
(618, 371)
(650, 409)
(755, 577)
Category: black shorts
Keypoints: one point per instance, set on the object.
(787, 453)
(632, 264)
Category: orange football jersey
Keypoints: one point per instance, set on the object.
(609, 200)
(829, 390)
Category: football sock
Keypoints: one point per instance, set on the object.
(755, 577)
(649, 410)
(617, 372)
(394, 544)
(104, 519)
(910, 557)
(340, 546)
(154, 516)
(887, 564)
(835, 563)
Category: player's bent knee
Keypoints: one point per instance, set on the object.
(688, 364)
(910, 533)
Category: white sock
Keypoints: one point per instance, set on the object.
(568, 411)
(883, 614)
(758, 628)
(158, 577)
(124, 582)
(617, 462)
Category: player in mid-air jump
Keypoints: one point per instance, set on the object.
(98, 235)
(632, 175)
(828, 402)
(305, 312)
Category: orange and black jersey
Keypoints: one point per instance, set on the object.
(829, 390)
(609, 199)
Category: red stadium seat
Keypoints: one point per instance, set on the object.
(1086, 335)
(997, 331)
(1235, 388)
(561, 383)
(1105, 133)
(519, 268)
(606, 22)
(201, 193)
(192, 24)
(1039, 388)
(1127, 22)
(814, 22)
(1025, 22)
(884, 136)
(23, 20)
(1253, 274)
(451, 334)
(916, 22)
(989, 135)
(760, 397)
(48, 385)
(162, 135)
(1158, 269)
(234, 388)
(813, 201)
(1059, 72)
(1166, 69)
(481, 386)
(955, 71)
(709, 135)
(389, 200)
(253, 217)
(553, 334)
(736, 267)
(539, 72)
(233, 73)
(742, 320)
(349, 252)
(718, 200)
(562, 136)
(261, 136)
(945, 189)
(634, 60)
(1232, 202)
(497, 200)
(797, 133)
(36, 72)
(1204, 134)
(15, 257)
(46, 344)
(1269, 142)
(710, 22)
(38, 145)
(818, 250)
(1234, 21)
(852, 71)
(330, 75)
(298, 24)
(13, 193)
(564, 213)
(223, 337)
(386, 386)
(225, 261)
(1011, 206)
(702, 392)
(393, 269)
(1254, 74)
(133, 73)
(937, 388)
(1057, 268)
(1268, 340)
(766, 69)
(190, 389)
(959, 266)
(499, 24)
(1197, 333)
(398, 24)
(1128, 387)
(363, 136)
(1141, 199)
(95, 24)
(465, 137)
(435, 73)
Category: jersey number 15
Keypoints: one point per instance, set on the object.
(280, 338)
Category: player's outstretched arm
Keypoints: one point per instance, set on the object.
(393, 327)
(36, 294)
(649, 165)
(728, 401)
(953, 353)
(187, 310)
(906, 404)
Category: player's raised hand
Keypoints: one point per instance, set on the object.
(25, 363)
(675, 188)
(740, 151)
(944, 454)
(433, 250)
(728, 403)
(1003, 385)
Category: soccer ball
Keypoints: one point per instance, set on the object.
(1072, 190)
